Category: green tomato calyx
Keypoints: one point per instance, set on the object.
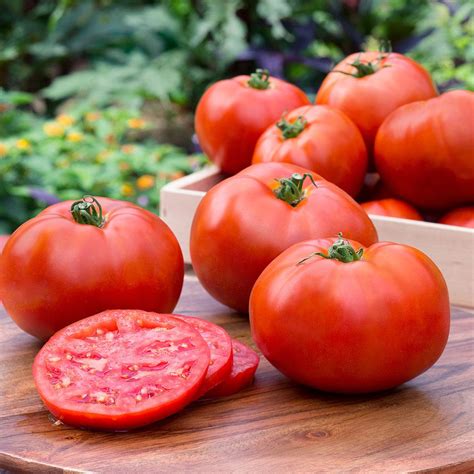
(291, 189)
(260, 79)
(88, 211)
(340, 250)
(291, 129)
(363, 69)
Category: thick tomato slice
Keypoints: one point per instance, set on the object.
(245, 363)
(220, 346)
(121, 369)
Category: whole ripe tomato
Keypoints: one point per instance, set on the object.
(321, 139)
(424, 151)
(62, 266)
(368, 86)
(463, 217)
(244, 222)
(391, 208)
(232, 114)
(340, 317)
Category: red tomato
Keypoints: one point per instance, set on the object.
(321, 139)
(120, 369)
(220, 346)
(350, 322)
(391, 208)
(463, 217)
(244, 366)
(374, 189)
(54, 270)
(424, 151)
(3, 241)
(244, 222)
(368, 86)
(232, 114)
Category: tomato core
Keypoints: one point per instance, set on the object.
(260, 79)
(88, 211)
(291, 129)
(291, 189)
(341, 250)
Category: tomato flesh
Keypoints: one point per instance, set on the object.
(220, 347)
(245, 363)
(121, 369)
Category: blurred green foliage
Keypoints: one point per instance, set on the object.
(121, 59)
(133, 51)
(95, 152)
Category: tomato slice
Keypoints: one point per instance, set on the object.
(220, 346)
(245, 363)
(121, 369)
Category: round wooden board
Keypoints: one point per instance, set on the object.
(274, 426)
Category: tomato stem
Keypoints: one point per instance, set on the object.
(88, 211)
(291, 130)
(340, 250)
(291, 189)
(260, 79)
(365, 68)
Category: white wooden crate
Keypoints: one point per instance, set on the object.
(451, 248)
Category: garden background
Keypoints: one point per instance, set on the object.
(97, 97)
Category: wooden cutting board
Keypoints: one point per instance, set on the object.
(274, 426)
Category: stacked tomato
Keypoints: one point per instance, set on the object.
(342, 314)
(282, 238)
(376, 113)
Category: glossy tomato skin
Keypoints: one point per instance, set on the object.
(423, 151)
(462, 217)
(240, 227)
(330, 145)
(368, 100)
(244, 366)
(353, 327)
(54, 271)
(390, 207)
(3, 241)
(231, 116)
(113, 370)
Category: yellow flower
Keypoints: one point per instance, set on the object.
(3, 149)
(53, 129)
(127, 189)
(92, 116)
(128, 148)
(124, 166)
(65, 120)
(176, 175)
(146, 181)
(23, 144)
(136, 123)
(75, 136)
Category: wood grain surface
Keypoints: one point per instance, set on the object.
(274, 426)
